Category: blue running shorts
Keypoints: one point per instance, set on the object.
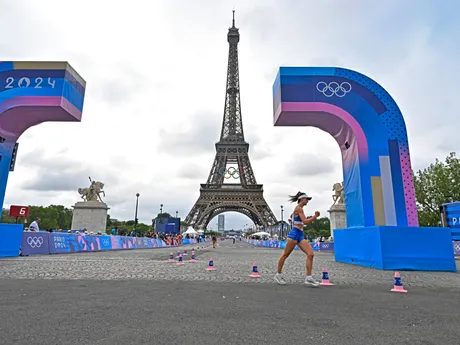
(296, 235)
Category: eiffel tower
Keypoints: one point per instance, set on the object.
(245, 197)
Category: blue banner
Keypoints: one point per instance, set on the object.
(60, 243)
(317, 246)
(452, 212)
(35, 243)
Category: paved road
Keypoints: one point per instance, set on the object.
(137, 297)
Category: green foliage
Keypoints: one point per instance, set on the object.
(164, 215)
(59, 217)
(435, 185)
(53, 216)
(322, 223)
(213, 233)
(128, 226)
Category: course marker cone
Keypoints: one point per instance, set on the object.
(193, 257)
(185, 252)
(171, 257)
(178, 254)
(325, 281)
(398, 287)
(255, 272)
(211, 265)
(180, 262)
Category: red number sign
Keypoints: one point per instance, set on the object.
(19, 211)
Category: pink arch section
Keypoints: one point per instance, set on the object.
(409, 192)
(19, 113)
(320, 107)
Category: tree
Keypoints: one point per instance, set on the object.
(322, 223)
(320, 227)
(51, 217)
(435, 185)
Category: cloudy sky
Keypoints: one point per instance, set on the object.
(156, 73)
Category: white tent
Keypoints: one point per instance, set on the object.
(261, 234)
(190, 231)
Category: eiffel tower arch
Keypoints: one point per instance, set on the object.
(245, 197)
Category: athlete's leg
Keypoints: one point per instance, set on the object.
(308, 250)
(290, 245)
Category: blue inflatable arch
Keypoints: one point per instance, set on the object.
(370, 131)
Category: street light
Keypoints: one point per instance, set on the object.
(135, 214)
(161, 208)
(177, 214)
(282, 222)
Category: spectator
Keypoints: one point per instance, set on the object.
(34, 225)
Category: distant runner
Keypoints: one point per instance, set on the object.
(214, 240)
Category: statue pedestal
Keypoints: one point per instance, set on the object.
(90, 215)
(338, 217)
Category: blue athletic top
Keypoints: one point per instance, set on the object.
(296, 219)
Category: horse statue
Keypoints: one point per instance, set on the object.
(339, 195)
(93, 192)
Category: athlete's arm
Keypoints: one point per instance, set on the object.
(306, 220)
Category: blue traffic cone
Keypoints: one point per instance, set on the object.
(211, 265)
(398, 287)
(325, 281)
(255, 272)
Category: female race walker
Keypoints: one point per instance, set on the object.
(296, 237)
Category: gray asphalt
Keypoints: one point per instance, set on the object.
(136, 297)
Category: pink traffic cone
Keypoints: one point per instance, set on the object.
(325, 281)
(178, 254)
(171, 257)
(180, 262)
(211, 265)
(255, 272)
(398, 286)
(185, 252)
(193, 257)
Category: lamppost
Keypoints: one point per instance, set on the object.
(282, 222)
(177, 214)
(135, 214)
(161, 208)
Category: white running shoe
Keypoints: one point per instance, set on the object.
(310, 281)
(279, 279)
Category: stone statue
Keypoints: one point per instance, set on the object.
(93, 193)
(339, 196)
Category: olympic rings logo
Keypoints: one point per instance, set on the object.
(457, 247)
(333, 88)
(105, 242)
(230, 172)
(35, 242)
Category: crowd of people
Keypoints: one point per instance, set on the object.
(173, 239)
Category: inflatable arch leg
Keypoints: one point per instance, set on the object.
(370, 130)
(32, 93)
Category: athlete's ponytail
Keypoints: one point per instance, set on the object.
(294, 198)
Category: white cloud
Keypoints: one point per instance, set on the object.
(156, 72)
